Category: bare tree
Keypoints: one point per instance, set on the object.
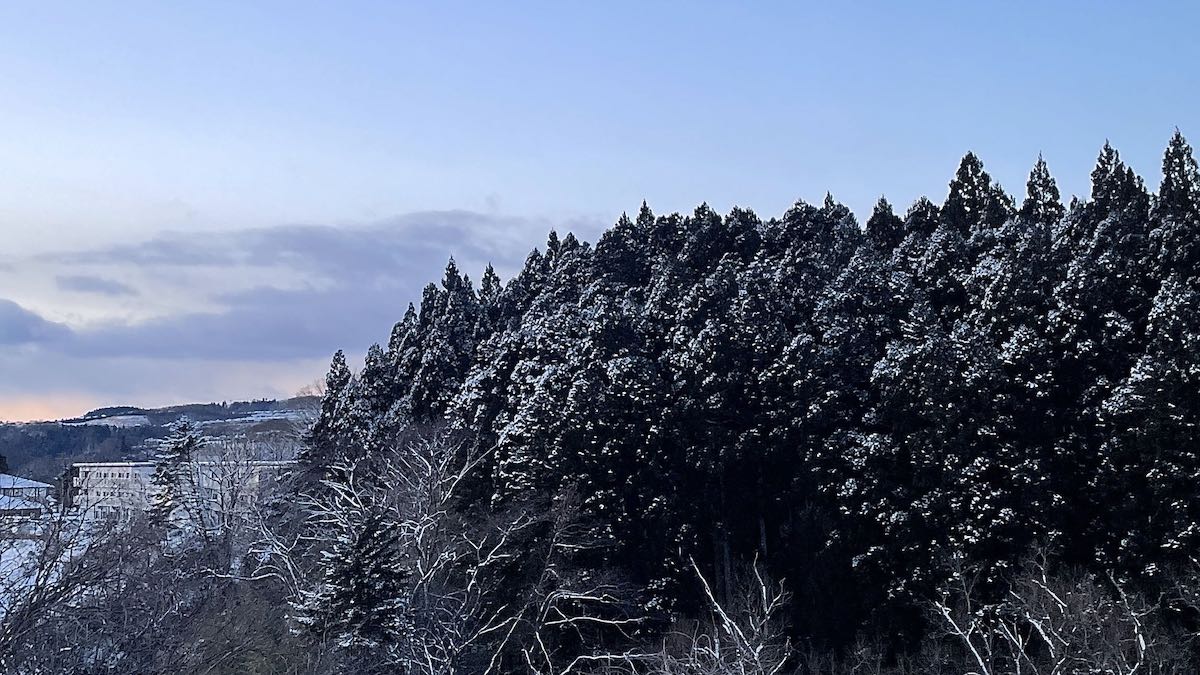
(746, 637)
(451, 567)
(42, 573)
(1064, 622)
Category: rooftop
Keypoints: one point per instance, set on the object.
(90, 465)
(203, 462)
(9, 481)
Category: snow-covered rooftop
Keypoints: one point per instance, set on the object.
(9, 481)
(93, 465)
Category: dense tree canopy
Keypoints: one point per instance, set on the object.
(863, 410)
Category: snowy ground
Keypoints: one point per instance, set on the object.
(257, 417)
(21, 549)
(120, 421)
(17, 564)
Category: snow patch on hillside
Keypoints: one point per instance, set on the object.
(119, 421)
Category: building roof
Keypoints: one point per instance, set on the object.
(9, 481)
(203, 462)
(107, 465)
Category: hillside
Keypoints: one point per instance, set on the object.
(41, 449)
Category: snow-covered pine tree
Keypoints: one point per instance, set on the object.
(486, 394)
(1043, 202)
(448, 318)
(530, 460)
(371, 398)
(622, 255)
(490, 294)
(942, 271)
(173, 484)
(327, 438)
(938, 389)
(884, 229)
(1175, 241)
(920, 222)
(922, 218)
(1011, 285)
(976, 206)
(1152, 462)
(613, 429)
(1098, 324)
(357, 603)
(1011, 290)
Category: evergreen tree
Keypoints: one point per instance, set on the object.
(173, 483)
(884, 229)
(622, 255)
(614, 414)
(370, 399)
(861, 411)
(530, 457)
(1012, 284)
(358, 602)
(976, 206)
(1114, 185)
(1043, 203)
(943, 270)
(1177, 213)
(326, 440)
(490, 291)
(447, 323)
(1151, 465)
(1098, 323)
(922, 218)
(920, 222)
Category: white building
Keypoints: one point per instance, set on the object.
(122, 489)
(22, 497)
(107, 489)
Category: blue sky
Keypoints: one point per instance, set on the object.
(165, 128)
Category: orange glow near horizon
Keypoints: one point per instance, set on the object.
(226, 381)
(25, 409)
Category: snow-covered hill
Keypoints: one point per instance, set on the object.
(41, 450)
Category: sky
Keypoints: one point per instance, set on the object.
(202, 201)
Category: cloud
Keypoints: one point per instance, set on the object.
(304, 291)
(348, 253)
(19, 326)
(82, 283)
(230, 308)
(262, 324)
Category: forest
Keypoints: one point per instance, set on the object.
(958, 437)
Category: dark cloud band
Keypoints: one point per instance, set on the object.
(19, 326)
(82, 283)
(347, 285)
